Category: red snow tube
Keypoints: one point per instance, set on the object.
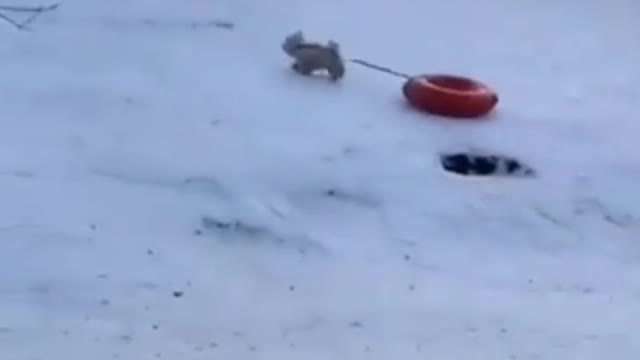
(449, 95)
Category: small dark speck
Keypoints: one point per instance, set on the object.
(93, 226)
(65, 332)
(412, 287)
(197, 232)
(331, 192)
(588, 290)
(178, 294)
(367, 349)
(347, 150)
(158, 355)
(292, 345)
(559, 345)
(23, 174)
(103, 276)
(224, 24)
(126, 338)
(213, 345)
(215, 122)
(252, 348)
(292, 288)
(198, 349)
(150, 252)
(407, 257)
(530, 281)
(503, 330)
(355, 324)
(155, 327)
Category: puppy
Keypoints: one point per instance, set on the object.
(309, 57)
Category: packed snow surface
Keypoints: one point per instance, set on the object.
(172, 190)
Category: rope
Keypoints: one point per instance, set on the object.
(381, 68)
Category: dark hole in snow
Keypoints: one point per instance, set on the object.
(470, 164)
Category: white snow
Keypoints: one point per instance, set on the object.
(118, 136)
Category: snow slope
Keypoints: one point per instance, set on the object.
(346, 239)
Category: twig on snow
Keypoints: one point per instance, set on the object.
(29, 8)
(35, 11)
(11, 21)
(194, 24)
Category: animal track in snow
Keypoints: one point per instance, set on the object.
(471, 164)
(243, 232)
(355, 198)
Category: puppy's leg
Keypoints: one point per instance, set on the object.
(336, 72)
(302, 68)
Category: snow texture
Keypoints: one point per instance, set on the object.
(172, 190)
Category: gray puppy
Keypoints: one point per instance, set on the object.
(309, 57)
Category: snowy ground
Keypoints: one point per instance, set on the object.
(119, 134)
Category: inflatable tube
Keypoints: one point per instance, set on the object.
(449, 95)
